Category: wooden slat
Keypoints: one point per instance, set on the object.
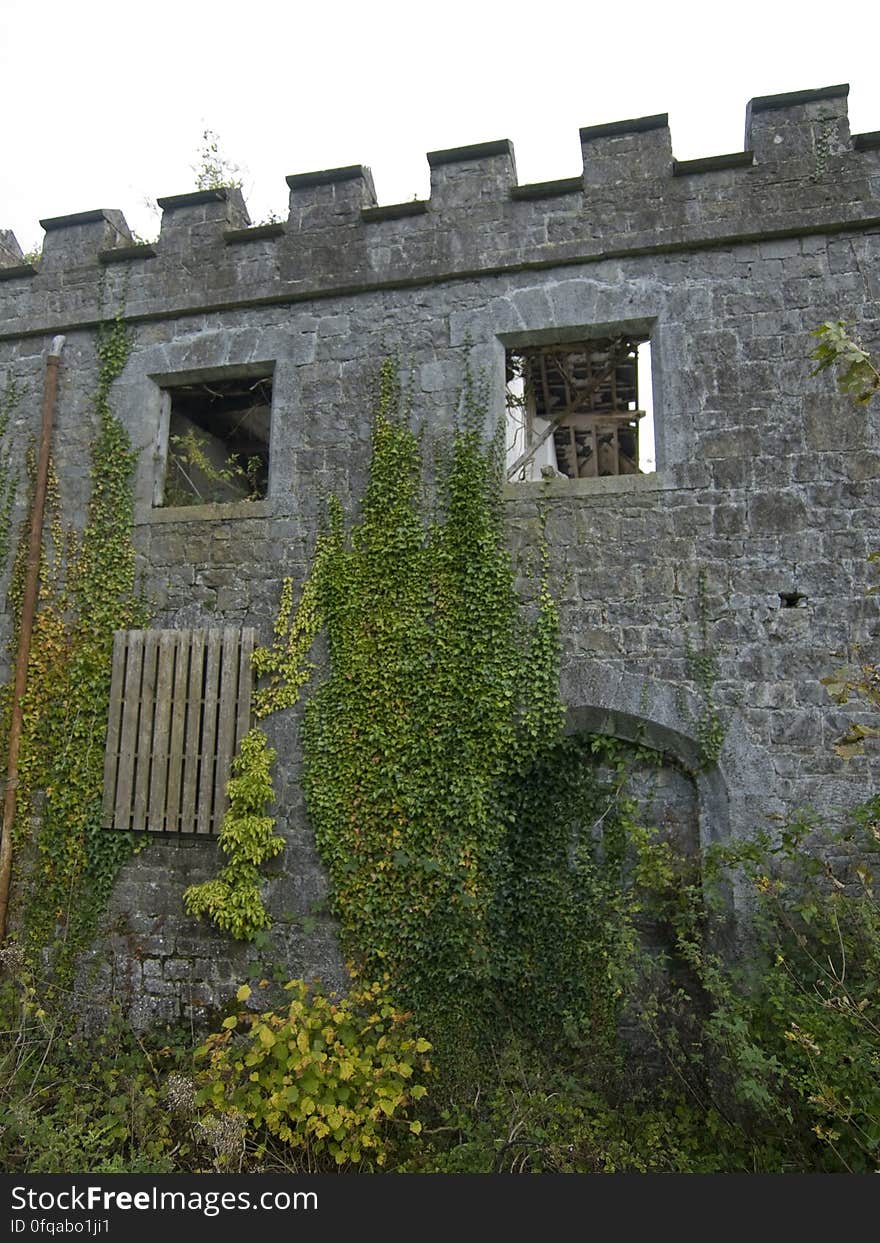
(114, 728)
(226, 715)
(156, 815)
(128, 739)
(190, 776)
(204, 821)
(145, 731)
(245, 682)
(177, 740)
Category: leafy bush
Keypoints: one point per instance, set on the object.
(331, 1079)
(796, 1028)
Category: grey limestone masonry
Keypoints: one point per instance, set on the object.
(767, 485)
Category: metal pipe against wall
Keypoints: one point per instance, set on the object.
(26, 625)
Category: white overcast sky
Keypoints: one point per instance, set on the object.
(104, 104)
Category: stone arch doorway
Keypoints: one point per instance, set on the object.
(734, 795)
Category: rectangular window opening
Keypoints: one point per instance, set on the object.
(580, 409)
(214, 441)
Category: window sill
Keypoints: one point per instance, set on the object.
(225, 512)
(605, 485)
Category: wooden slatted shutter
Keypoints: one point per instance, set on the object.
(180, 701)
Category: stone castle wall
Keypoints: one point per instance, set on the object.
(767, 483)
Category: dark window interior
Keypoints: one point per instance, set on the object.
(218, 441)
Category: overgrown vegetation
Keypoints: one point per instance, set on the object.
(431, 705)
(233, 899)
(214, 169)
(70, 1101)
(857, 376)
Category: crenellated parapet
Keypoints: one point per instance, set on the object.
(10, 252)
(800, 171)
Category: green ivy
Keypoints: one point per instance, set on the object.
(9, 471)
(284, 667)
(87, 592)
(492, 870)
(232, 899)
(576, 871)
(703, 669)
(436, 693)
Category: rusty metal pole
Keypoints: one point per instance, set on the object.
(26, 625)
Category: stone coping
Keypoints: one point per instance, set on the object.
(474, 151)
(119, 254)
(327, 176)
(78, 217)
(548, 189)
(635, 125)
(194, 198)
(17, 270)
(791, 99)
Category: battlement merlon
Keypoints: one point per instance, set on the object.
(200, 215)
(330, 197)
(626, 151)
(462, 176)
(11, 254)
(800, 129)
(79, 238)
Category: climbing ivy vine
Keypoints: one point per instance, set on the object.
(232, 900)
(10, 466)
(435, 695)
(87, 592)
(702, 663)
